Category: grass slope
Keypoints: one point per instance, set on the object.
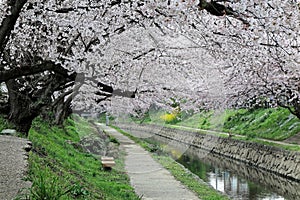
(272, 123)
(61, 169)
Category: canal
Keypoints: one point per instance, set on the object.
(236, 179)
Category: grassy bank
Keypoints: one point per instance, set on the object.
(202, 189)
(61, 169)
(271, 123)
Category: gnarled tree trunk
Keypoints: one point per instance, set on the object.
(20, 114)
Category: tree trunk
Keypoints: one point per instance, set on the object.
(61, 107)
(62, 111)
(20, 114)
(29, 98)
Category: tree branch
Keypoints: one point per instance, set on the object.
(108, 91)
(217, 9)
(67, 50)
(143, 54)
(9, 22)
(16, 72)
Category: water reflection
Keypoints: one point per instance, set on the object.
(236, 179)
(227, 180)
(227, 183)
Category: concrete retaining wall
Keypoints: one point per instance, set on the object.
(282, 162)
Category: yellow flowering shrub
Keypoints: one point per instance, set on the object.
(168, 118)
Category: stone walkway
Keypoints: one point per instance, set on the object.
(13, 165)
(150, 180)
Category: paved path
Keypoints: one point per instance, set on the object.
(13, 164)
(150, 180)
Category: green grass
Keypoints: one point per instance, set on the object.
(202, 189)
(276, 123)
(60, 169)
(142, 143)
(4, 124)
(272, 123)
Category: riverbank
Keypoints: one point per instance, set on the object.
(273, 159)
(276, 124)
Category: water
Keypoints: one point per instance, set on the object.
(236, 179)
(224, 177)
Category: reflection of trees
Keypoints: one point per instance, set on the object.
(259, 180)
(220, 179)
(254, 190)
(234, 185)
(198, 168)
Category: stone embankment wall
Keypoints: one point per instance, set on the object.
(282, 162)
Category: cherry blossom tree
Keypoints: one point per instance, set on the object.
(263, 58)
(135, 53)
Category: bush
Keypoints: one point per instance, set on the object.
(170, 118)
(173, 117)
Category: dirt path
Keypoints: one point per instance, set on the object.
(13, 165)
(149, 179)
